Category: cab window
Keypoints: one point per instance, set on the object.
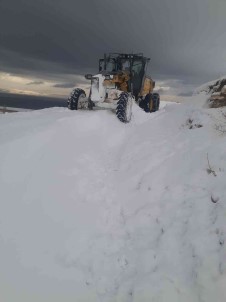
(137, 67)
(110, 66)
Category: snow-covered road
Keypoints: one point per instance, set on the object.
(95, 210)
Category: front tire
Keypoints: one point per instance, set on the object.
(75, 101)
(124, 108)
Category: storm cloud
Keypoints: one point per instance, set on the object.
(59, 39)
(35, 83)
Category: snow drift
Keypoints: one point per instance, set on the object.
(95, 210)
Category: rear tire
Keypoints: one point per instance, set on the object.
(156, 101)
(124, 108)
(150, 103)
(74, 101)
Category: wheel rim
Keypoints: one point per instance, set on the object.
(82, 102)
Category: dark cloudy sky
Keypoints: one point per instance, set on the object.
(47, 45)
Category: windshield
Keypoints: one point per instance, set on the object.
(110, 66)
(137, 67)
(113, 64)
(125, 65)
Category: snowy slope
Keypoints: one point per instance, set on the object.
(95, 210)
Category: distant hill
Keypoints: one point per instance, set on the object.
(30, 101)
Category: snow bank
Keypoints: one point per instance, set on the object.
(95, 210)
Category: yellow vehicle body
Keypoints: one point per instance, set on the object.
(121, 80)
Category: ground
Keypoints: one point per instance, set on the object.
(92, 209)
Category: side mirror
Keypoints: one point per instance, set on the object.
(88, 76)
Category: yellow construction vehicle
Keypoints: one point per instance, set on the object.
(121, 80)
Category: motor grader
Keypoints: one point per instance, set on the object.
(121, 80)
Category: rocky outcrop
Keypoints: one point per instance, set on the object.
(218, 94)
(216, 91)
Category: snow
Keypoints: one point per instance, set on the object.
(92, 209)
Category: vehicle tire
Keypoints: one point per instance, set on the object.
(146, 102)
(150, 103)
(156, 101)
(124, 108)
(75, 100)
